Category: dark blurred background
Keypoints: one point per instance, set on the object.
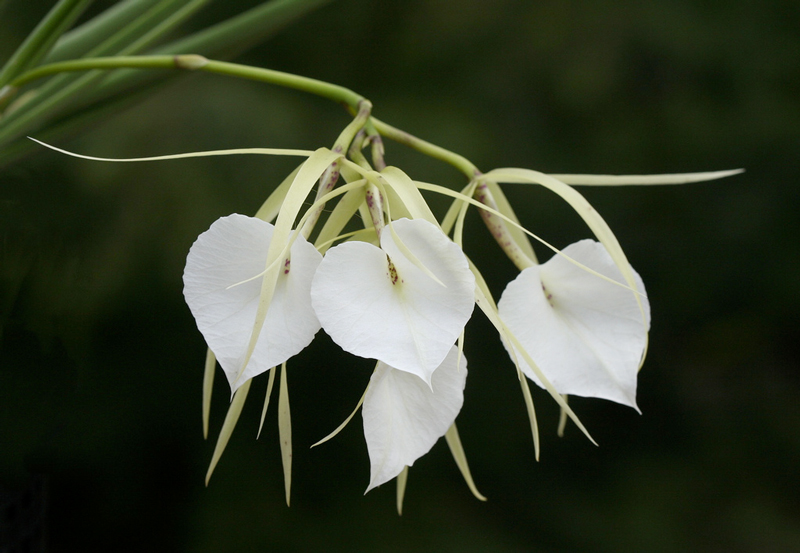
(101, 364)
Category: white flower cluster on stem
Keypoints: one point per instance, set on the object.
(401, 291)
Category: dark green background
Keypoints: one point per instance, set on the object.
(101, 364)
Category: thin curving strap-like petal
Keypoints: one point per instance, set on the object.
(645, 180)
(460, 457)
(231, 418)
(285, 433)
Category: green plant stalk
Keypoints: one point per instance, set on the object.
(330, 91)
(466, 167)
(353, 101)
(42, 38)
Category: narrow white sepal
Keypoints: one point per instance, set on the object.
(586, 334)
(404, 417)
(393, 311)
(223, 295)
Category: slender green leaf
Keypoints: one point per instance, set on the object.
(78, 41)
(42, 38)
(62, 90)
(237, 34)
(223, 40)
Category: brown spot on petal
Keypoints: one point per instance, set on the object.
(392, 274)
(547, 294)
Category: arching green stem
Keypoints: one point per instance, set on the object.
(352, 100)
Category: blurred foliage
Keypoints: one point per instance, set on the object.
(100, 362)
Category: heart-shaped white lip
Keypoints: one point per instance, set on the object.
(378, 303)
(223, 296)
(587, 335)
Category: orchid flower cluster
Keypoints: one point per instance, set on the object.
(400, 290)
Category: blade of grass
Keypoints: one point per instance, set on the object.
(63, 89)
(42, 38)
(76, 42)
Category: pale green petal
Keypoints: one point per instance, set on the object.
(585, 333)
(285, 433)
(277, 253)
(208, 386)
(646, 180)
(404, 417)
(454, 442)
(409, 194)
(208, 153)
(231, 418)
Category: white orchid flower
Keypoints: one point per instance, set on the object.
(222, 286)
(404, 417)
(586, 334)
(404, 303)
